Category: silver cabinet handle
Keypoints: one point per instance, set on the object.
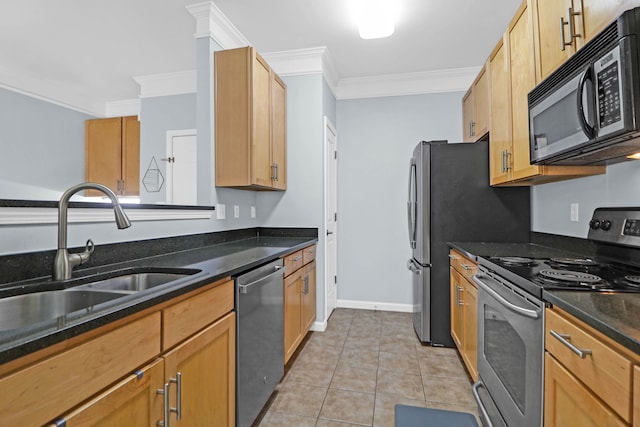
(572, 33)
(508, 160)
(466, 267)
(563, 43)
(524, 311)
(459, 290)
(165, 405)
(453, 257)
(298, 258)
(178, 408)
(564, 339)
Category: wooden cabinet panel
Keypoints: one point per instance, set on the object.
(37, 394)
(206, 363)
(475, 109)
(605, 371)
(133, 401)
(293, 262)
(250, 117)
(467, 116)
(549, 36)
(636, 396)
(308, 254)
(500, 122)
(470, 327)
(568, 403)
(292, 313)
(309, 296)
(185, 318)
(457, 331)
(112, 154)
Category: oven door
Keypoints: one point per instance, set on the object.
(510, 350)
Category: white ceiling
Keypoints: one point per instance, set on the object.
(89, 51)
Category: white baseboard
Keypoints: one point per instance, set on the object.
(370, 305)
(319, 326)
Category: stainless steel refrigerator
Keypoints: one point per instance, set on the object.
(450, 200)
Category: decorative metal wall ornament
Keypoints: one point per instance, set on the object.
(153, 179)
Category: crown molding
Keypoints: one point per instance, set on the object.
(451, 80)
(211, 22)
(126, 107)
(167, 84)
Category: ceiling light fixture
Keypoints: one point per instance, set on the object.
(375, 18)
(634, 156)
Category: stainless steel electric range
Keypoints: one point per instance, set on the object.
(511, 310)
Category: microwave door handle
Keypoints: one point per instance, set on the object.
(586, 127)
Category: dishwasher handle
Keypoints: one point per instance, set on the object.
(245, 289)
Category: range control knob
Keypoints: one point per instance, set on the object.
(594, 224)
(605, 225)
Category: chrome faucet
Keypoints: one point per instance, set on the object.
(64, 261)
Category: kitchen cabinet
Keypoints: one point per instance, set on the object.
(464, 310)
(512, 76)
(588, 377)
(561, 27)
(96, 379)
(299, 298)
(112, 154)
(636, 396)
(250, 122)
(475, 109)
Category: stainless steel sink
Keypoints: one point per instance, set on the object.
(24, 310)
(134, 282)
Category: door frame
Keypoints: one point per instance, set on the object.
(169, 152)
(328, 280)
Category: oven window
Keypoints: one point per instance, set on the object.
(505, 351)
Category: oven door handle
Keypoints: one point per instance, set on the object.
(476, 396)
(520, 310)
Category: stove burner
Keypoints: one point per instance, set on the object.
(516, 260)
(570, 276)
(583, 262)
(633, 279)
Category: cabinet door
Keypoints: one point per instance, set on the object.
(568, 403)
(481, 105)
(549, 36)
(309, 297)
(470, 346)
(500, 132)
(131, 156)
(596, 15)
(292, 313)
(103, 153)
(522, 78)
(206, 363)
(467, 116)
(278, 132)
(134, 401)
(636, 396)
(457, 295)
(261, 123)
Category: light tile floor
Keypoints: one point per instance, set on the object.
(364, 364)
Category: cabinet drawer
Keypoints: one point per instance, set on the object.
(605, 371)
(308, 254)
(292, 262)
(187, 317)
(39, 393)
(462, 264)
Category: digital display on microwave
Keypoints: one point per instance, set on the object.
(609, 95)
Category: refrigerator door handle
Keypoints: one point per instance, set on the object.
(412, 204)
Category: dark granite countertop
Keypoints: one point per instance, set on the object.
(616, 315)
(216, 261)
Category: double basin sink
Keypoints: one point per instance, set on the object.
(30, 308)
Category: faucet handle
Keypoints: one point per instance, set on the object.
(88, 250)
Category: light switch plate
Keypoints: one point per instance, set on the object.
(221, 211)
(253, 211)
(575, 212)
(236, 211)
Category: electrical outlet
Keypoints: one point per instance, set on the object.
(574, 212)
(236, 211)
(221, 211)
(253, 211)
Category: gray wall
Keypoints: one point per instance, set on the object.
(39, 140)
(157, 116)
(551, 203)
(302, 205)
(376, 137)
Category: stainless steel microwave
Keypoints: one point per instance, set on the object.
(587, 112)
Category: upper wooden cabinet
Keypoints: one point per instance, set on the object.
(564, 26)
(112, 154)
(475, 109)
(250, 122)
(512, 76)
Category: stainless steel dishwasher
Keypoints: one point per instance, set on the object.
(260, 338)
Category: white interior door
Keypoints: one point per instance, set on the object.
(331, 216)
(182, 184)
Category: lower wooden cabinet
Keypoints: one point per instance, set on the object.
(464, 323)
(636, 396)
(299, 298)
(118, 376)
